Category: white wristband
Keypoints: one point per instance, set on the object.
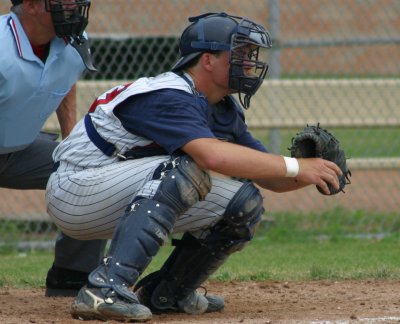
(292, 167)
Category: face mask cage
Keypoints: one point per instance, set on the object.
(70, 18)
(248, 60)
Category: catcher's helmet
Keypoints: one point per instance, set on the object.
(243, 38)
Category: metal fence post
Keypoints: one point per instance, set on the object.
(274, 64)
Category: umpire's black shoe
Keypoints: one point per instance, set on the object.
(62, 282)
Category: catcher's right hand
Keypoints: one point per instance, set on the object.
(314, 141)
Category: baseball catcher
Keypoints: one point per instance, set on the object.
(314, 141)
(139, 201)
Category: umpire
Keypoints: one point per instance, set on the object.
(38, 71)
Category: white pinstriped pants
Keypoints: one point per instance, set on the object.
(87, 204)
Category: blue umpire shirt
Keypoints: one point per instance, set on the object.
(31, 90)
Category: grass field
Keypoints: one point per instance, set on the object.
(335, 245)
(357, 142)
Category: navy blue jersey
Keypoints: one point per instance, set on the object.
(172, 118)
(227, 122)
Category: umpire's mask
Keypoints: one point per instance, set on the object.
(245, 40)
(70, 17)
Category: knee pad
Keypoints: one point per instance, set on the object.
(184, 185)
(241, 218)
(246, 206)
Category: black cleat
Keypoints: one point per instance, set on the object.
(61, 282)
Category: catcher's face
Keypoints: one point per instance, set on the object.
(251, 56)
(248, 63)
(245, 61)
(249, 60)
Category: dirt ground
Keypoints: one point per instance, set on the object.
(246, 302)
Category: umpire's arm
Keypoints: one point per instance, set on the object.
(66, 112)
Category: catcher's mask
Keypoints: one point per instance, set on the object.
(245, 40)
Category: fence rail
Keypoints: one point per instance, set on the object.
(294, 103)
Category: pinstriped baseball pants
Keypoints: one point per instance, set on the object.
(87, 204)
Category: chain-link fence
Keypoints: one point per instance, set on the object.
(333, 61)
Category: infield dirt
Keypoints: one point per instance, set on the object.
(246, 302)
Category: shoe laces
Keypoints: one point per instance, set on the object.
(205, 290)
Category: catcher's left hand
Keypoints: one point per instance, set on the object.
(314, 141)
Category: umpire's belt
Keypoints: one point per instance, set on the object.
(110, 149)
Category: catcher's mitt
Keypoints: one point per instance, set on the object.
(314, 141)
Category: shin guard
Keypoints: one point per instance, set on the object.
(194, 260)
(147, 223)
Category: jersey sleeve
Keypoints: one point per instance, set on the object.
(227, 121)
(171, 118)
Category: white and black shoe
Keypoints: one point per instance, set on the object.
(106, 304)
(192, 302)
